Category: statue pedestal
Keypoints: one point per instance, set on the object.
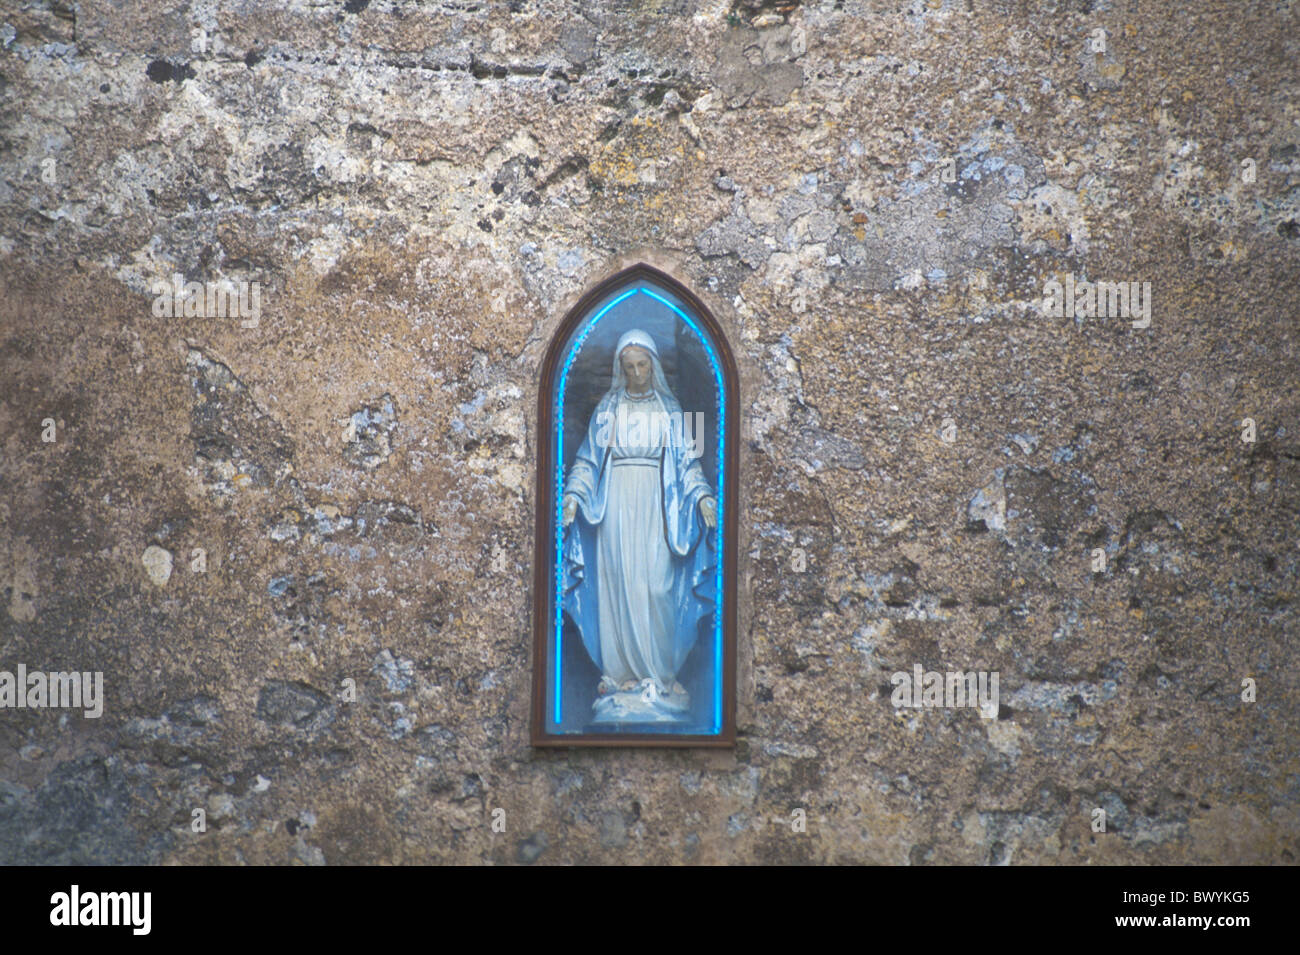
(644, 704)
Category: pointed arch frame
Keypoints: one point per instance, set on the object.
(545, 616)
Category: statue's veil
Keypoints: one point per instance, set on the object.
(642, 339)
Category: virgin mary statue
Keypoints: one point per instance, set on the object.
(638, 555)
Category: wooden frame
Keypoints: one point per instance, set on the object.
(545, 508)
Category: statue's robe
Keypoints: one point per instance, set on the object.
(639, 563)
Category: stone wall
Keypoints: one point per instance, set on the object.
(230, 518)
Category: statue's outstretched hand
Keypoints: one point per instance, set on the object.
(570, 510)
(709, 511)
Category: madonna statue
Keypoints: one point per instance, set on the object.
(639, 544)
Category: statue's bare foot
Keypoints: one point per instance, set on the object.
(678, 689)
(606, 686)
(628, 685)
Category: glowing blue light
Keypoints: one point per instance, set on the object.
(559, 500)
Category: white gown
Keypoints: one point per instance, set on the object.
(634, 567)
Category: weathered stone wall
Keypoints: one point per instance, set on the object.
(420, 190)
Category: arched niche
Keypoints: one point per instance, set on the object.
(635, 555)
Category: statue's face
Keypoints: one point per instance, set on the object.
(638, 369)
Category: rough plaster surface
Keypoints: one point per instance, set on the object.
(421, 189)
